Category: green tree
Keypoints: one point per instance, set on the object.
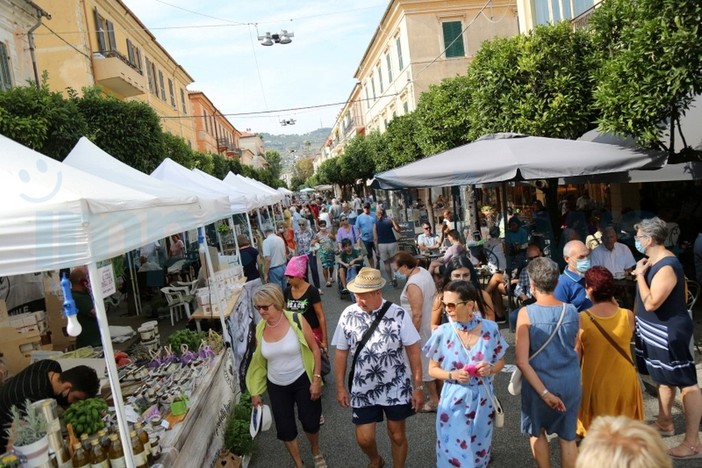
(204, 162)
(442, 120)
(128, 130)
(178, 150)
(275, 163)
(399, 140)
(538, 84)
(303, 169)
(41, 119)
(651, 56)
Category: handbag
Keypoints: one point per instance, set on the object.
(515, 381)
(326, 363)
(499, 412)
(364, 339)
(611, 341)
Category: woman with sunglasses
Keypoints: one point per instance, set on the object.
(464, 353)
(461, 268)
(287, 363)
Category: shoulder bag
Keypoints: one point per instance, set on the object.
(324, 354)
(364, 339)
(515, 382)
(499, 412)
(611, 341)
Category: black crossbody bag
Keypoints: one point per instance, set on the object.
(364, 339)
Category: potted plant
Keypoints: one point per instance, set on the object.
(237, 437)
(28, 434)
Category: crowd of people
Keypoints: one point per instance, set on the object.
(439, 348)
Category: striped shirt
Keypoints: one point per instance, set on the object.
(33, 383)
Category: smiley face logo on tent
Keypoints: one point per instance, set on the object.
(43, 168)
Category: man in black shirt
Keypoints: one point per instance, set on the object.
(45, 379)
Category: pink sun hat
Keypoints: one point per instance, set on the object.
(297, 267)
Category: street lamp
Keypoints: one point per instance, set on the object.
(269, 39)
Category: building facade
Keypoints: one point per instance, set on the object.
(101, 42)
(18, 20)
(213, 132)
(254, 151)
(535, 12)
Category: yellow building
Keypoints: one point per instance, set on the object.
(18, 20)
(213, 132)
(101, 42)
(420, 43)
(535, 12)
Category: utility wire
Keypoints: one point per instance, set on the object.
(66, 42)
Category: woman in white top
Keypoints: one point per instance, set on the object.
(287, 363)
(417, 297)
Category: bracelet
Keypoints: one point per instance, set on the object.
(317, 376)
(419, 387)
(449, 376)
(545, 392)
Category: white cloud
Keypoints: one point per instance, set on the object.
(316, 68)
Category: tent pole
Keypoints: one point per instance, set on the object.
(135, 283)
(109, 353)
(503, 187)
(236, 241)
(251, 237)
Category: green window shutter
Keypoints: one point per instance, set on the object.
(5, 75)
(453, 39)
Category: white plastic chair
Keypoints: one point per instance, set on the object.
(693, 293)
(177, 300)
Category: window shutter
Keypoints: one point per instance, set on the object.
(453, 30)
(111, 36)
(100, 31)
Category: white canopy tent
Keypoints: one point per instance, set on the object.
(253, 199)
(173, 172)
(277, 197)
(265, 195)
(56, 216)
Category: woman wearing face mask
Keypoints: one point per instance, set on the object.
(461, 268)
(417, 297)
(663, 334)
(465, 354)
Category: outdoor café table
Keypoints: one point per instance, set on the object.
(425, 258)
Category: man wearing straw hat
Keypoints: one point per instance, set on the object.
(375, 332)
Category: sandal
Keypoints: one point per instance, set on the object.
(319, 461)
(329, 284)
(429, 407)
(380, 464)
(696, 452)
(662, 430)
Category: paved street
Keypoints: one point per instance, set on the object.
(510, 447)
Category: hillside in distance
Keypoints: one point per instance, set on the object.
(292, 146)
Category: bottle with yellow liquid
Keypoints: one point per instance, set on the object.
(98, 457)
(80, 457)
(116, 453)
(138, 450)
(144, 437)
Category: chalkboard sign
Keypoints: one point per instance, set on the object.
(407, 230)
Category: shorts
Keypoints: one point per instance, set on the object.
(370, 248)
(283, 401)
(387, 251)
(374, 414)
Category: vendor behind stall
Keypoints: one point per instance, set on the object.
(45, 379)
(90, 336)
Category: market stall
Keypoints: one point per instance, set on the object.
(56, 216)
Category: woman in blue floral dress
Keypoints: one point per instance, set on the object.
(463, 352)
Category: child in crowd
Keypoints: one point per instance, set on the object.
(350, 261)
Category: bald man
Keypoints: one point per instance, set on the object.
(571, 283)
(90, 336)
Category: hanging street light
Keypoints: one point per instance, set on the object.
(269, 39)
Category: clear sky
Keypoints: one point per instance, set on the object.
(215, 41)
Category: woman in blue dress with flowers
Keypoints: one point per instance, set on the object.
(464, 353)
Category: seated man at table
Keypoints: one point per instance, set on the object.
(516, 239)
(613, 255)
(427, 241)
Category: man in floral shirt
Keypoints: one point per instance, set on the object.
(381, 382)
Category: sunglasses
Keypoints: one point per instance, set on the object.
(452, 305)
(343, 219)
(426, 228)
(262, 307)
(532, 258)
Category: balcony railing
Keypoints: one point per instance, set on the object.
(114, 72)
(582, 21)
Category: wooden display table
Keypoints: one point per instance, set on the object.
(199, 314)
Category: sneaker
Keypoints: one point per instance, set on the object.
(344, 291)
(394, 282)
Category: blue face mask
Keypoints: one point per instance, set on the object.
(639, 247)
(400, 276)
(583, 265)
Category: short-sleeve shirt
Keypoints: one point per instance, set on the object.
(347, 257)
(248, 259)
(616, 260)
(571, 290)
(429, 241)
(385, 231)
(381, 376)
(304, 304)
(349, 234)
(364, 223)
(274, 247)
(32, 383)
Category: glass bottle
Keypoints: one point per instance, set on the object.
(85, 442)
(116, 453)
(144, 437)
(104, 439)
(80, 457)
(98, 457)
(138, 450)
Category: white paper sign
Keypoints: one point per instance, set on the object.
(107, 280)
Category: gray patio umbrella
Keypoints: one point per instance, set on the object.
(502, 157)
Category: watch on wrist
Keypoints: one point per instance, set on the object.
(419, 387)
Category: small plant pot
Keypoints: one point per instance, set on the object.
(36, 453)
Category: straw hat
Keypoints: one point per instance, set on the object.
(260, 420)
(367, 280)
